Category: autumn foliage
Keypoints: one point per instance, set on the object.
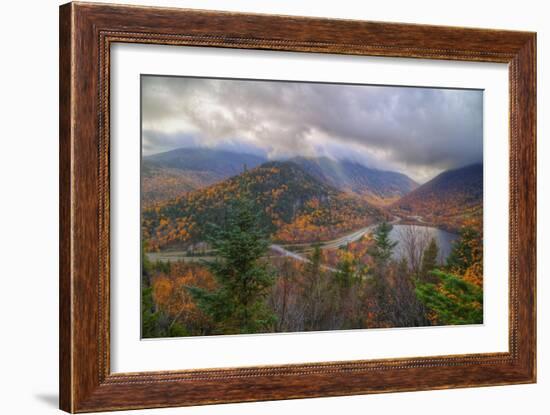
(450, 201)
(232, 279)
(172, 297)
(294, 207)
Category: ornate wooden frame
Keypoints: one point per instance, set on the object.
(86, 33)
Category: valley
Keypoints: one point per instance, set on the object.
(301, 201)
(345, 246)
(273, 206)
(451, 200)
(295, 251)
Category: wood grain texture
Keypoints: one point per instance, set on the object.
(86, 33)
(65, 246)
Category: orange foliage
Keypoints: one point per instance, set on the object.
(171, 295)
(324, 222)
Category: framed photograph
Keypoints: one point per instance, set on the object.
(259, 207)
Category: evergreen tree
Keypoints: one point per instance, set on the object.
(347, 290)
(315, 292)
(345, 272)
(465, 252)
(349, 271)
(381, 253)
(146, 266)
(453, 300)
(155, 323)
(238, 304)
(149, 315)
(313, 266)
(403, 267)
(407, 311)
(382, 250)
(429, 261)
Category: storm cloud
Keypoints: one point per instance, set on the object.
(417, 131)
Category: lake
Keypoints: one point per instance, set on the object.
(443, 238)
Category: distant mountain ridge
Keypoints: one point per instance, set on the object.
(295, 207)
(170, 174)
(222, 163)
(452, 199)
(379, 186)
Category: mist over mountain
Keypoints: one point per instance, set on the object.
(189, 177)
(170, 174)
(173, 173)
(294, 207)
(379, 186)
(417, 131)
(221, 163)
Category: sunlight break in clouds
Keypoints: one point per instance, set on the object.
(416, 131)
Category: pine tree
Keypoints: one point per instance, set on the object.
(155, 323)
(149, 317)
(403, 267)
(381, 253)
(315, 292)
(407, 311)
(149, 314)
(345, 271)
(455, 295)
(429, 261)
(146, 266)
(382, 250)
(238, 304)
(453, 300)
(313, 266)
(349, 270)
(465, 252)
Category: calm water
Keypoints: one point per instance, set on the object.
(444, 239)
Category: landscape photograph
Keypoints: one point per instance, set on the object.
(285, 206)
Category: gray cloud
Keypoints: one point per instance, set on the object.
(419, 131)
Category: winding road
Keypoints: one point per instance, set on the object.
(284, 251)
(334, 244)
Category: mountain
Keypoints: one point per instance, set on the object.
(377, 186)
(168, 175)
(219, 162)
(294, 206)
(451, 200)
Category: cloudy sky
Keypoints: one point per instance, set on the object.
(416, 131)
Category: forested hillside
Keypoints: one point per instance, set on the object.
(378, 186)
(294, 207)
(168, 175)
(451, 200)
